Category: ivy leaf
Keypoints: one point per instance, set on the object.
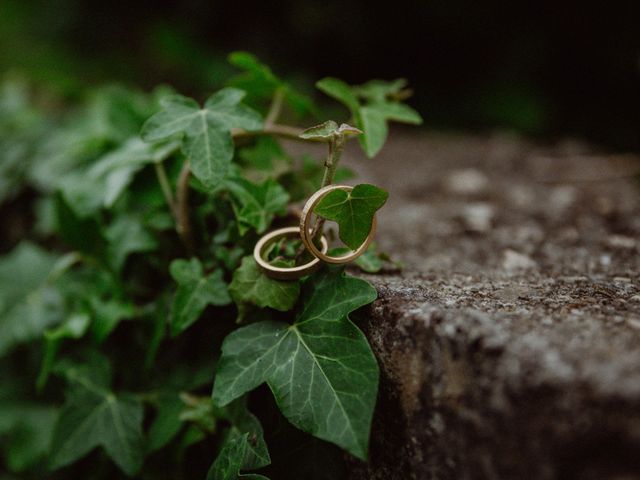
(378, 108)
(320, 368)
(102, 184)
(28, 304)
(107, 315)
(353, 211)
(328, 130)
(195, 291)
(264, 154)
(250, 285)
(256, 205)
(231, 458)
(82, 234)
(339, 90)
(167, 423)
(74, 328)
(127, 235)
(29, 427)
(380, 90)
(244, 422)
(206, 131)
(370, 261)
(260, 82)
(94, 416)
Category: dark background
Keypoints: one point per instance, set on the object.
(547, 69)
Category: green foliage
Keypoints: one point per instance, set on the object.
(195, 291)
(320, 368)
(353, 211)
(257, 205)
(328, 130)
(28, 303)
(125, 283)
(205, 132)
(94, 416)
(251, 286)
(372, 106)
(262, 84)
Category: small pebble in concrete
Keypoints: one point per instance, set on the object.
(513, 261)
(468, 181)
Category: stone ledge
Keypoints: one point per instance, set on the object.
(498, 393)
(510, 346)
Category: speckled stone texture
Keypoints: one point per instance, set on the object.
(509, 346)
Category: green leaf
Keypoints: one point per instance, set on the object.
(380, 90)
(320, 368)
(374, 125)
(28, 304)
(127, 235)
(102, 184)
(340, 91)
(82, 234)
(107, 315)
(244, 422)
(250, 285)
(230, 460)
(378, 108)
(29, 428)
(328, 130)
(353, 211)
(74, 328)
(256, 205)
(195, 291)
(94, 416)
(398, 112)
(370, 261)
(260, 82)
(263, 154)
(321, 132)
(167, 423)
(206, 131)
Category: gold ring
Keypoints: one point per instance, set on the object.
(306, 230)
(285, 273)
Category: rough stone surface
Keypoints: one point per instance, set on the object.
(509, 346)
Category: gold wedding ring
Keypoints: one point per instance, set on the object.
(306, 230)
(285, 273)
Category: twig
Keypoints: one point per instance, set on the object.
(275, 108)
(183, 224)
(336, 147)
(165, 186)
(181, 203)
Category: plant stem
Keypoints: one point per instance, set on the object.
(275, 108)
(183, 224)
(165, 186)
(336, 147)
(180, 207)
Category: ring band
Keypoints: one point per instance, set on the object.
(306, 230)
(285, 273)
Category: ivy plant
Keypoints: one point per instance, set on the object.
(139, 337)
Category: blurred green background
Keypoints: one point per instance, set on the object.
(544, 68)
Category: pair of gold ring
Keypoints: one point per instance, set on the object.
(305, 231)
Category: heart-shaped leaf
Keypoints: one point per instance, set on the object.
(353, 211)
